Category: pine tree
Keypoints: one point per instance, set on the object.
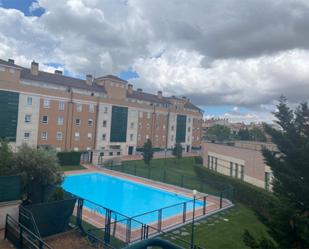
(177, 151)
(147, 152)
(289, 222)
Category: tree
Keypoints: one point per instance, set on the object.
(257, 134)
(177, 150)
(39, 169)
(6, 158)
(289, 222)
(243, 134)
(147, 152)
(219, 132)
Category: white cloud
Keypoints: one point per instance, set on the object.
(239, 53)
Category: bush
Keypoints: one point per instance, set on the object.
(258, 199)
(69, 158)
(198, 160)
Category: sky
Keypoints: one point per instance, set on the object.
(232, 58)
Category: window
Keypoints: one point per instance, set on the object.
(105, 109)
(76, 136)
(236, 170)
(208, 164)
(77, 121)
(189, 120)
(147, 136)
(59, 135)
(267, 180)
(45, 119)
(141, 114)
(104, 123)
(46, 103)
(242, 172)
(26, 135)
(118, 153)
(131, 137)
(27, 118)
(172, 128)
(163, 138)
(79, 107)
(163, 127)
(172, 138)
(216, 163)
(148, 115)
(44, 135)
(231, 169)
(189, 129)
(111, 153)
(139, 137)
(140, 125)
(212, 163)
(29, 101)
(91, 108)
(103, 137)
(60, 120)
(132, 125)
(148, 125)
(90, 122)
(89, 136)
(61, 105)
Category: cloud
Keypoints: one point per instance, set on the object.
(228, 52)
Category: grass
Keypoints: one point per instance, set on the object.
(72, 167)
(213, 232)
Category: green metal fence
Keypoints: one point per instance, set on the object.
(10, 188)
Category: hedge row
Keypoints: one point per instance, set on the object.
(258, 199)
(69, 158)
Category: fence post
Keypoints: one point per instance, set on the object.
(135, 170)
(107, 233)
(204, 204)
(148, 172)
(184, 212)
(220, 199)
(159, 219)
(21, 237)
(128, 235)
(80, 203)
(164, 176)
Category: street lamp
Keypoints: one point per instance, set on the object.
(194, 193)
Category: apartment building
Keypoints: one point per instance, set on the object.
(104, 116)
(243, 160)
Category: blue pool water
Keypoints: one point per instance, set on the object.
(126, 197)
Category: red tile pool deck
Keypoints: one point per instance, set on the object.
(120, 230)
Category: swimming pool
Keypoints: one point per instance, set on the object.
(126, 197)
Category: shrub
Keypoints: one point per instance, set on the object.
(69, 158)
(198, 160)
(258, 199)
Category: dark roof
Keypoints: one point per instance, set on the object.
(60, 80)
(147, 97)
(9, 64)
(112, 77)
(189, 105)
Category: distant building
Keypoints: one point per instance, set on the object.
(243, 160)
(207, 123)
(104, 116)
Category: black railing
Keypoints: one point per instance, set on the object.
(22, 237)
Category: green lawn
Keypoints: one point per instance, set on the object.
(73, 167)
(212, 232)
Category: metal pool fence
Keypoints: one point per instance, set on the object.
(173, 178)
(114, 230)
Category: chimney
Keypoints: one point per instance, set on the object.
(160, 94)
(34, 68)
(130, 88)
(140, 90)
(11, 61)
(89, 79)
(58, 72)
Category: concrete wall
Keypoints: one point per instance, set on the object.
(11, 208)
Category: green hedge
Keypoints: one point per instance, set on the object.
(258, 199)
(69, 158)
